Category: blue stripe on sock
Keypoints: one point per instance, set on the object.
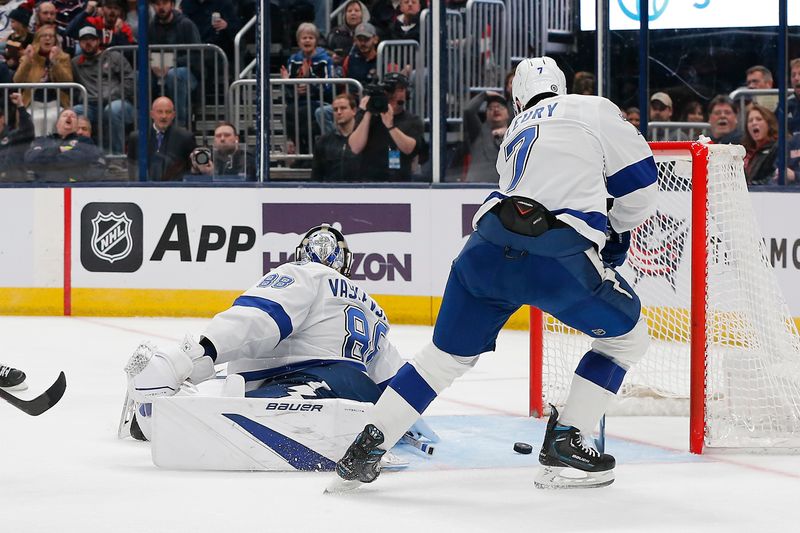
(273, 309)
(601, 371)
(413, 388)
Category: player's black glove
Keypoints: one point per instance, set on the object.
(616, 248)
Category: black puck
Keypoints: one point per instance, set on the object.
(523, 447)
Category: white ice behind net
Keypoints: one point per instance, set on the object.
(753, 348)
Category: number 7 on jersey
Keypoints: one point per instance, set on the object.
(520, 147)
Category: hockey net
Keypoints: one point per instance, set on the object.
(724, 349)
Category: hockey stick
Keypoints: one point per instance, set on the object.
(41, 403)
(424, 447)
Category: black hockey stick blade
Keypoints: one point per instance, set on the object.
(41, 403)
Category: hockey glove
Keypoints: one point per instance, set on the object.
(616, 248)
(154, 372)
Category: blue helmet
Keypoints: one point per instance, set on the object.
(325, 244)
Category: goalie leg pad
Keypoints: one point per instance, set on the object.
(252, 434)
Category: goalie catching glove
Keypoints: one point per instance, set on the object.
(616, 249)
(154, 372)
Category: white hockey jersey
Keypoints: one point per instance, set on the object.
(572, 152)
(300, 312)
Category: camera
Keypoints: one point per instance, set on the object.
(379, 92)
(200, 156)
(378, 100)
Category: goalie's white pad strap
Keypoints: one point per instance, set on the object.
(214, 433)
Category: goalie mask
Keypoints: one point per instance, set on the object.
(326, 245)
(536, 76)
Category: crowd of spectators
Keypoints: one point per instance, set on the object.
(749, 120)
(65, 42)
(340, 134)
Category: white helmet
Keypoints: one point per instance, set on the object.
(325, 244)
(535, 76)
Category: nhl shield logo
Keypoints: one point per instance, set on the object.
(111, 236)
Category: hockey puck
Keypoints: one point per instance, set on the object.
(523, 447)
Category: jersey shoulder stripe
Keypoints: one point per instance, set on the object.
(633, 177)
(273, 309)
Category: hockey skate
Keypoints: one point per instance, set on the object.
(12, 379)
(361, 462)
(569, 461)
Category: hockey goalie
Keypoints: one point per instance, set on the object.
(307, 356)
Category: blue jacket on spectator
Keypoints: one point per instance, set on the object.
(793, 114)
(70, 158)
(13, 145)
(321, 67)
(359, 68)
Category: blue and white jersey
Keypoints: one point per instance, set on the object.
(300, 313)
(572, 152)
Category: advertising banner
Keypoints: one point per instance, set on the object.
(686, 14)
(190, 252)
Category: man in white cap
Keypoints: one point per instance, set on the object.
(545, 238)
(660, 107)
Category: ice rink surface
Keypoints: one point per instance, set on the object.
(66, 470)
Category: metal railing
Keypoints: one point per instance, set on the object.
(560, 19)
(456, 94)
(208, 66)
(336, 17)
(401, 56)
(765, 97)
(237, 48)
(487, 44)
(116, 90)
(525, 25)
(531, 23)
(48, 120)
(290, 122)
(677, 131)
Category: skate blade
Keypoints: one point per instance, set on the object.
(390, 462)
(552, 477)
(341, 486)
(18, 387)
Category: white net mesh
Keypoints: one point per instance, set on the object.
(752, 346)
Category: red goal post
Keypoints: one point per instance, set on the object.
(724, 350)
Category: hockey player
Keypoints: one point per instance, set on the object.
(12, 379)
(544, 238)
(304, 331)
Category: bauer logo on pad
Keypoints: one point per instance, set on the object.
(111, 237)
